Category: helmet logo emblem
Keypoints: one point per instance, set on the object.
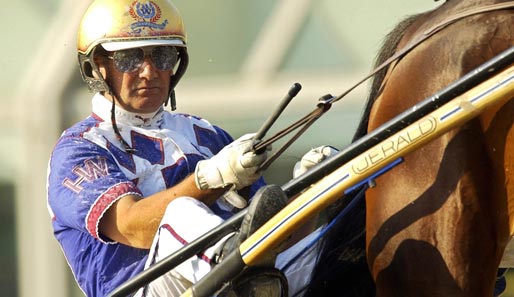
(146, 15)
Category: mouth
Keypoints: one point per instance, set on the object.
(147, 89)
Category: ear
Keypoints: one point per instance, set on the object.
(102, 70)
(99, 62)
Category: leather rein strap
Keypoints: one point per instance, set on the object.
(326, 101)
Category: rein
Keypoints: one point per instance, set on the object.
(326, 101)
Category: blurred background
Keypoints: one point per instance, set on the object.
(244, 56)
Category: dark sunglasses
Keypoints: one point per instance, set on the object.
(129, 60)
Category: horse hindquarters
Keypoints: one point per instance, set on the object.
(431, 227)
(425, 222)
(498, 129)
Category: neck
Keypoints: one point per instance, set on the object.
(102, 106)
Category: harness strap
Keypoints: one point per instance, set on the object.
(430, 32)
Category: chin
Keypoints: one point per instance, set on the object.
(150, 105)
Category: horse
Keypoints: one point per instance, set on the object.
(438, 223)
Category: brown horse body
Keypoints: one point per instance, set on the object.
(437, 224)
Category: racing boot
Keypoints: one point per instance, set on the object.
(259, 282)
(264, 279)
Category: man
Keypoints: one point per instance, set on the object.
(132, 182)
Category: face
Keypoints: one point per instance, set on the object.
(143, 90)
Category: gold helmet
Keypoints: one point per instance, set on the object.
(123, 24)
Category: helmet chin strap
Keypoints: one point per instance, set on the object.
(172, 100)
(125, 145)
(182, 66)
(105, 88)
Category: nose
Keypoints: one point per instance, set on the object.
(148, 69)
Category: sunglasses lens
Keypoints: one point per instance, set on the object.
(128, 60)
(164, 57)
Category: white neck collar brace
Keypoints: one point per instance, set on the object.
(102, 108)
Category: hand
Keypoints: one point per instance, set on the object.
(235, 165)
(312, 158)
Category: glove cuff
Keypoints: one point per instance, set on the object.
(207, 177)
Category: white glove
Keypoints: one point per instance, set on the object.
(234, 165)
(312, 158)
(233, 199)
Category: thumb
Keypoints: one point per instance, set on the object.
(251, 159)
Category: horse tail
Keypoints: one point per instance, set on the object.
(341, 268)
